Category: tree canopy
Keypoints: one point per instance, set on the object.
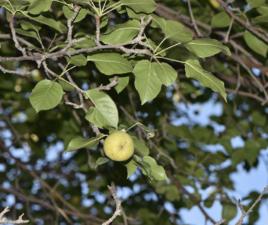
(74, 71)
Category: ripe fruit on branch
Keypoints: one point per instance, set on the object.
(119, 146)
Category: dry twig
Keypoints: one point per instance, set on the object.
(118, 209)
(4, 220)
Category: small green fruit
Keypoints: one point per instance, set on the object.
(119, 146)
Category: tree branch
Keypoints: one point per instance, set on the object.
(4, 220)
(118, 209)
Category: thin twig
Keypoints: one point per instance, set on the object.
(118, 209)
(4, 220)
(97, 18)
(243, 23)
(22, 73)
(193, 19)
(246, 213)
(109, 86)
(14, 36)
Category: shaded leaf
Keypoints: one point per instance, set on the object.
(57, 25)
(221, 20)
(101, 160)
(140, 147)
(255, 44)
(194, 70)
(37, 6)
(147, 6)
(131, 167)
(229, 211)
(79, 142)
(122, 84)
(68, 13)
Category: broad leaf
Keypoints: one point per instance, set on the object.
(78, 60)
(111, 63)
(220, 20)
(153, 170)
(194, 70)
(207, 47)
(146, 6)
(229, 211)
(131, 168)
(256, 3)
(122, 84)
(104, 113)
(57, 25)
(149, 78)
(46, 95)
(68, 13)
(140, 147)
(122, 33)
(174, 30)
(38, 6)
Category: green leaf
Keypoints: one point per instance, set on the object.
(229, 211)
(174, 30)
(221, 20)
(78, 60)
(149, 78)
(104, 113)
(194, 70)
(46, 95)
(147, 6)
(207, 47)
(85, 42)
(258, 119)
(66, 86)
(79, 142)
(172, 193)
(29, 26)
(57, 25)
(159, 173)
(68, 13)
(255, 44)
(101, 160)
(122, 84)
(153, 170)
(131, 168)
(256, 3)
(261, 19)
(263, 10)
(31, 34)
(122, 33)
(140, 147)
(38, 6)
(111, 63)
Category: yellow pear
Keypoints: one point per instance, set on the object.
(119, 146)
(215, 4)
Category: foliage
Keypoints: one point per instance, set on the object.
(73, 71)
